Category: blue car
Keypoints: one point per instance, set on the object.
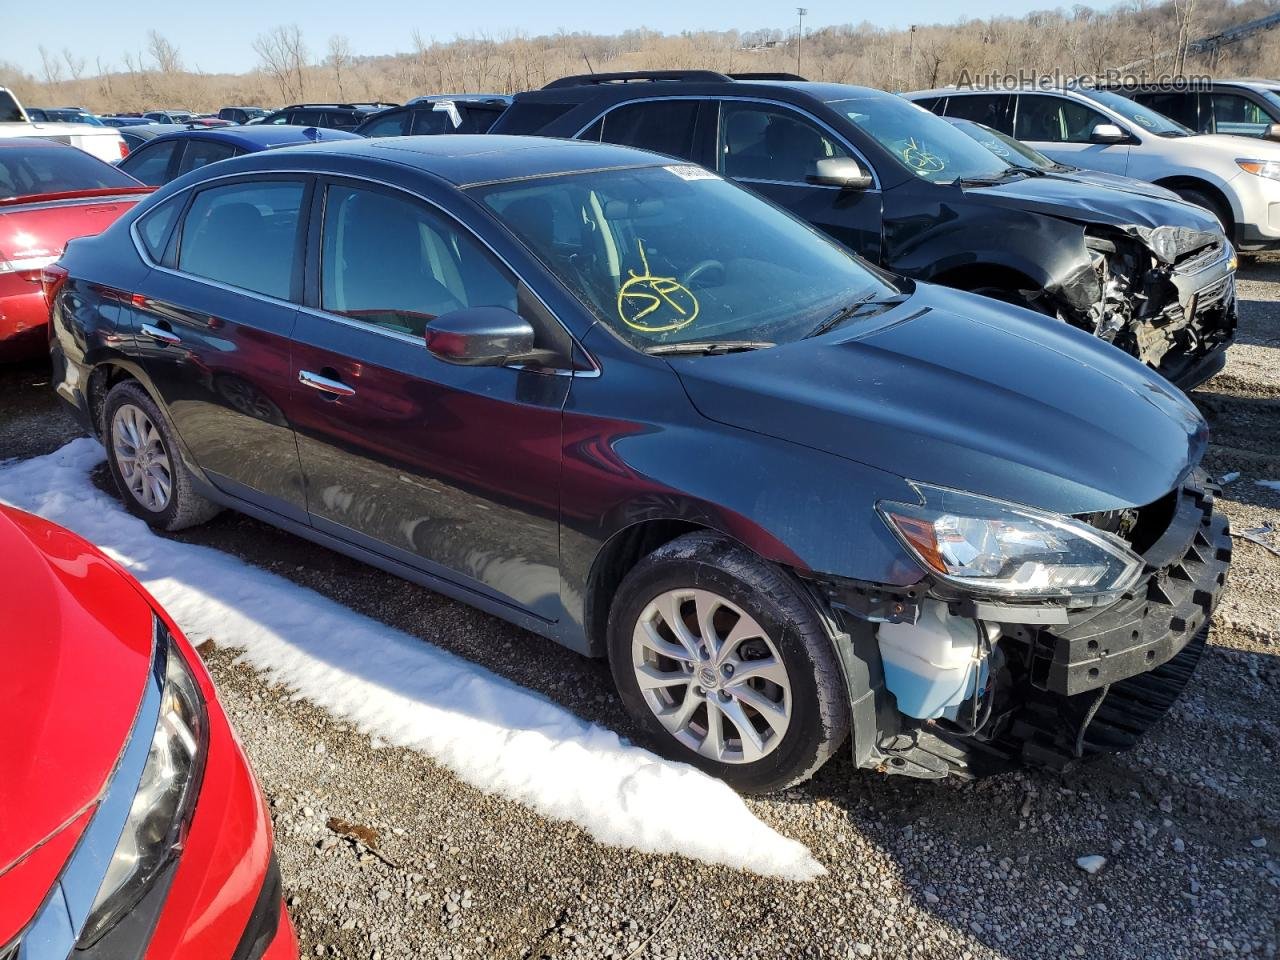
(169, 156)
(625, 403)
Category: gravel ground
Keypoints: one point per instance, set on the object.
(1188, 823)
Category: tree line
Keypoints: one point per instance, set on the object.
(1138, 36)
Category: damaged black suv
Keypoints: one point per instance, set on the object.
(906, 190)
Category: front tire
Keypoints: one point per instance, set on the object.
(145, 463)
(726, 665)
(1203, 200)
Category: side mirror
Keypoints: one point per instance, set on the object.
(480, 337)
(1107, 133)
(1272, 132)
(843, 172)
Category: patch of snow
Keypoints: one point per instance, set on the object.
(1091, 864)
(492, 733)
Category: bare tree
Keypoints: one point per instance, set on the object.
(339, 59)
(283, 54)
(75, 64)
(50, 67)
(165, 54)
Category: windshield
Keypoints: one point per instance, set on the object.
(1144, 117)
(27, 172)
(1004, 146)
(73, 116)
(675, 254)
(920, 141)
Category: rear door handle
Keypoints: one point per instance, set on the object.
(325, 384)
(160, 335)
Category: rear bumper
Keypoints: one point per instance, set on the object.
(24, 319)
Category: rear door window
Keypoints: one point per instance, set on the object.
(245, 235)
(201, 153)
(1174, 105)
(150, 163)
(10, 112)
(664, 126)
(989, 109)
(428, 121)
(765, 142)
(394, 124)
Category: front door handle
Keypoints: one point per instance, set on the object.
(325, 384)
(161, 335)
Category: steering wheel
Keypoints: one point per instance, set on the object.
(701, 268)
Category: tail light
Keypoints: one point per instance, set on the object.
(52, 277)
(124, 148)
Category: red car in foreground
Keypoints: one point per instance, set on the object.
(49, 193)
(130, 823)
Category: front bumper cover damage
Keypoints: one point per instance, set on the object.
(1175, 311)
(1065, 683)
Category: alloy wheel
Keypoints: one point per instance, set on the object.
(712, 676)
(141, 457)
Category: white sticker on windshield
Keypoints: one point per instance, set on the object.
(688, 171)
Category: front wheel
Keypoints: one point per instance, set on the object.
(726, 666)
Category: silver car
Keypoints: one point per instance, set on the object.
(1237, 179)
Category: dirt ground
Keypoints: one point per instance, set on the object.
(1189, 822)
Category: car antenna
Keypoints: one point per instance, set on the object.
(590, 69)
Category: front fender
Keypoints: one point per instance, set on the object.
(799, 507)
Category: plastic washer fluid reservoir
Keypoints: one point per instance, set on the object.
(934, 665)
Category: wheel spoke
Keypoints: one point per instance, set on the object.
(775, 714)
(706, 604)
(647, 634)
(713, 743)
(765, 669)
(651, 678)
(677, 718)
(752, 743)
(745, 629)
(669, 607)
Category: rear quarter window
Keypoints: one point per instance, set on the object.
(155, 226)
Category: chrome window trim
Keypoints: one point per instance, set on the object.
(839, 137)
(56, 927)
(317, 311)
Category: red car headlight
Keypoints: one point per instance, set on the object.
(164, 800)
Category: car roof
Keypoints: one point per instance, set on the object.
(466, 160)
(257, 137)
(464, 98)
(693, 83)
(33, 142)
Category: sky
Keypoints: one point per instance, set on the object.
(217, 36)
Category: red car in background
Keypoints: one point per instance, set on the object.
(49, 193)
(130, 823)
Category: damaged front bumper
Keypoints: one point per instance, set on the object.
(1177, 317)
(1061, 682)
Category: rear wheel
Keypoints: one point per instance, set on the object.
(725, 664)
(144, 462)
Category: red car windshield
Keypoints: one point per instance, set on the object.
(29, 171)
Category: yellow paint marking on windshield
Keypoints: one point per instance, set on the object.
(644, 295)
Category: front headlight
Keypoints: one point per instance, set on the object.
(1261, 168)
(164, 799)
(1004, 548)
(1168, 243)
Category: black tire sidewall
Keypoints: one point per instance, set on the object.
(787, 623)
(1205, 202)
(134, 395)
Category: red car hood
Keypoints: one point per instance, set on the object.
(78, 647)
(39, 227)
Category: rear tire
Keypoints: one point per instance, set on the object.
(145, 462)
(749, 652)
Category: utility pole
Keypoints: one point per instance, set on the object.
(801, 11)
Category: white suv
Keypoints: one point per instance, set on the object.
(1237, 178)
(105, 143)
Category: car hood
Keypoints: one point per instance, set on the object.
(1222, 146)
(1093, 203)
(79, 649)
(952, 389)
(1113, 181)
